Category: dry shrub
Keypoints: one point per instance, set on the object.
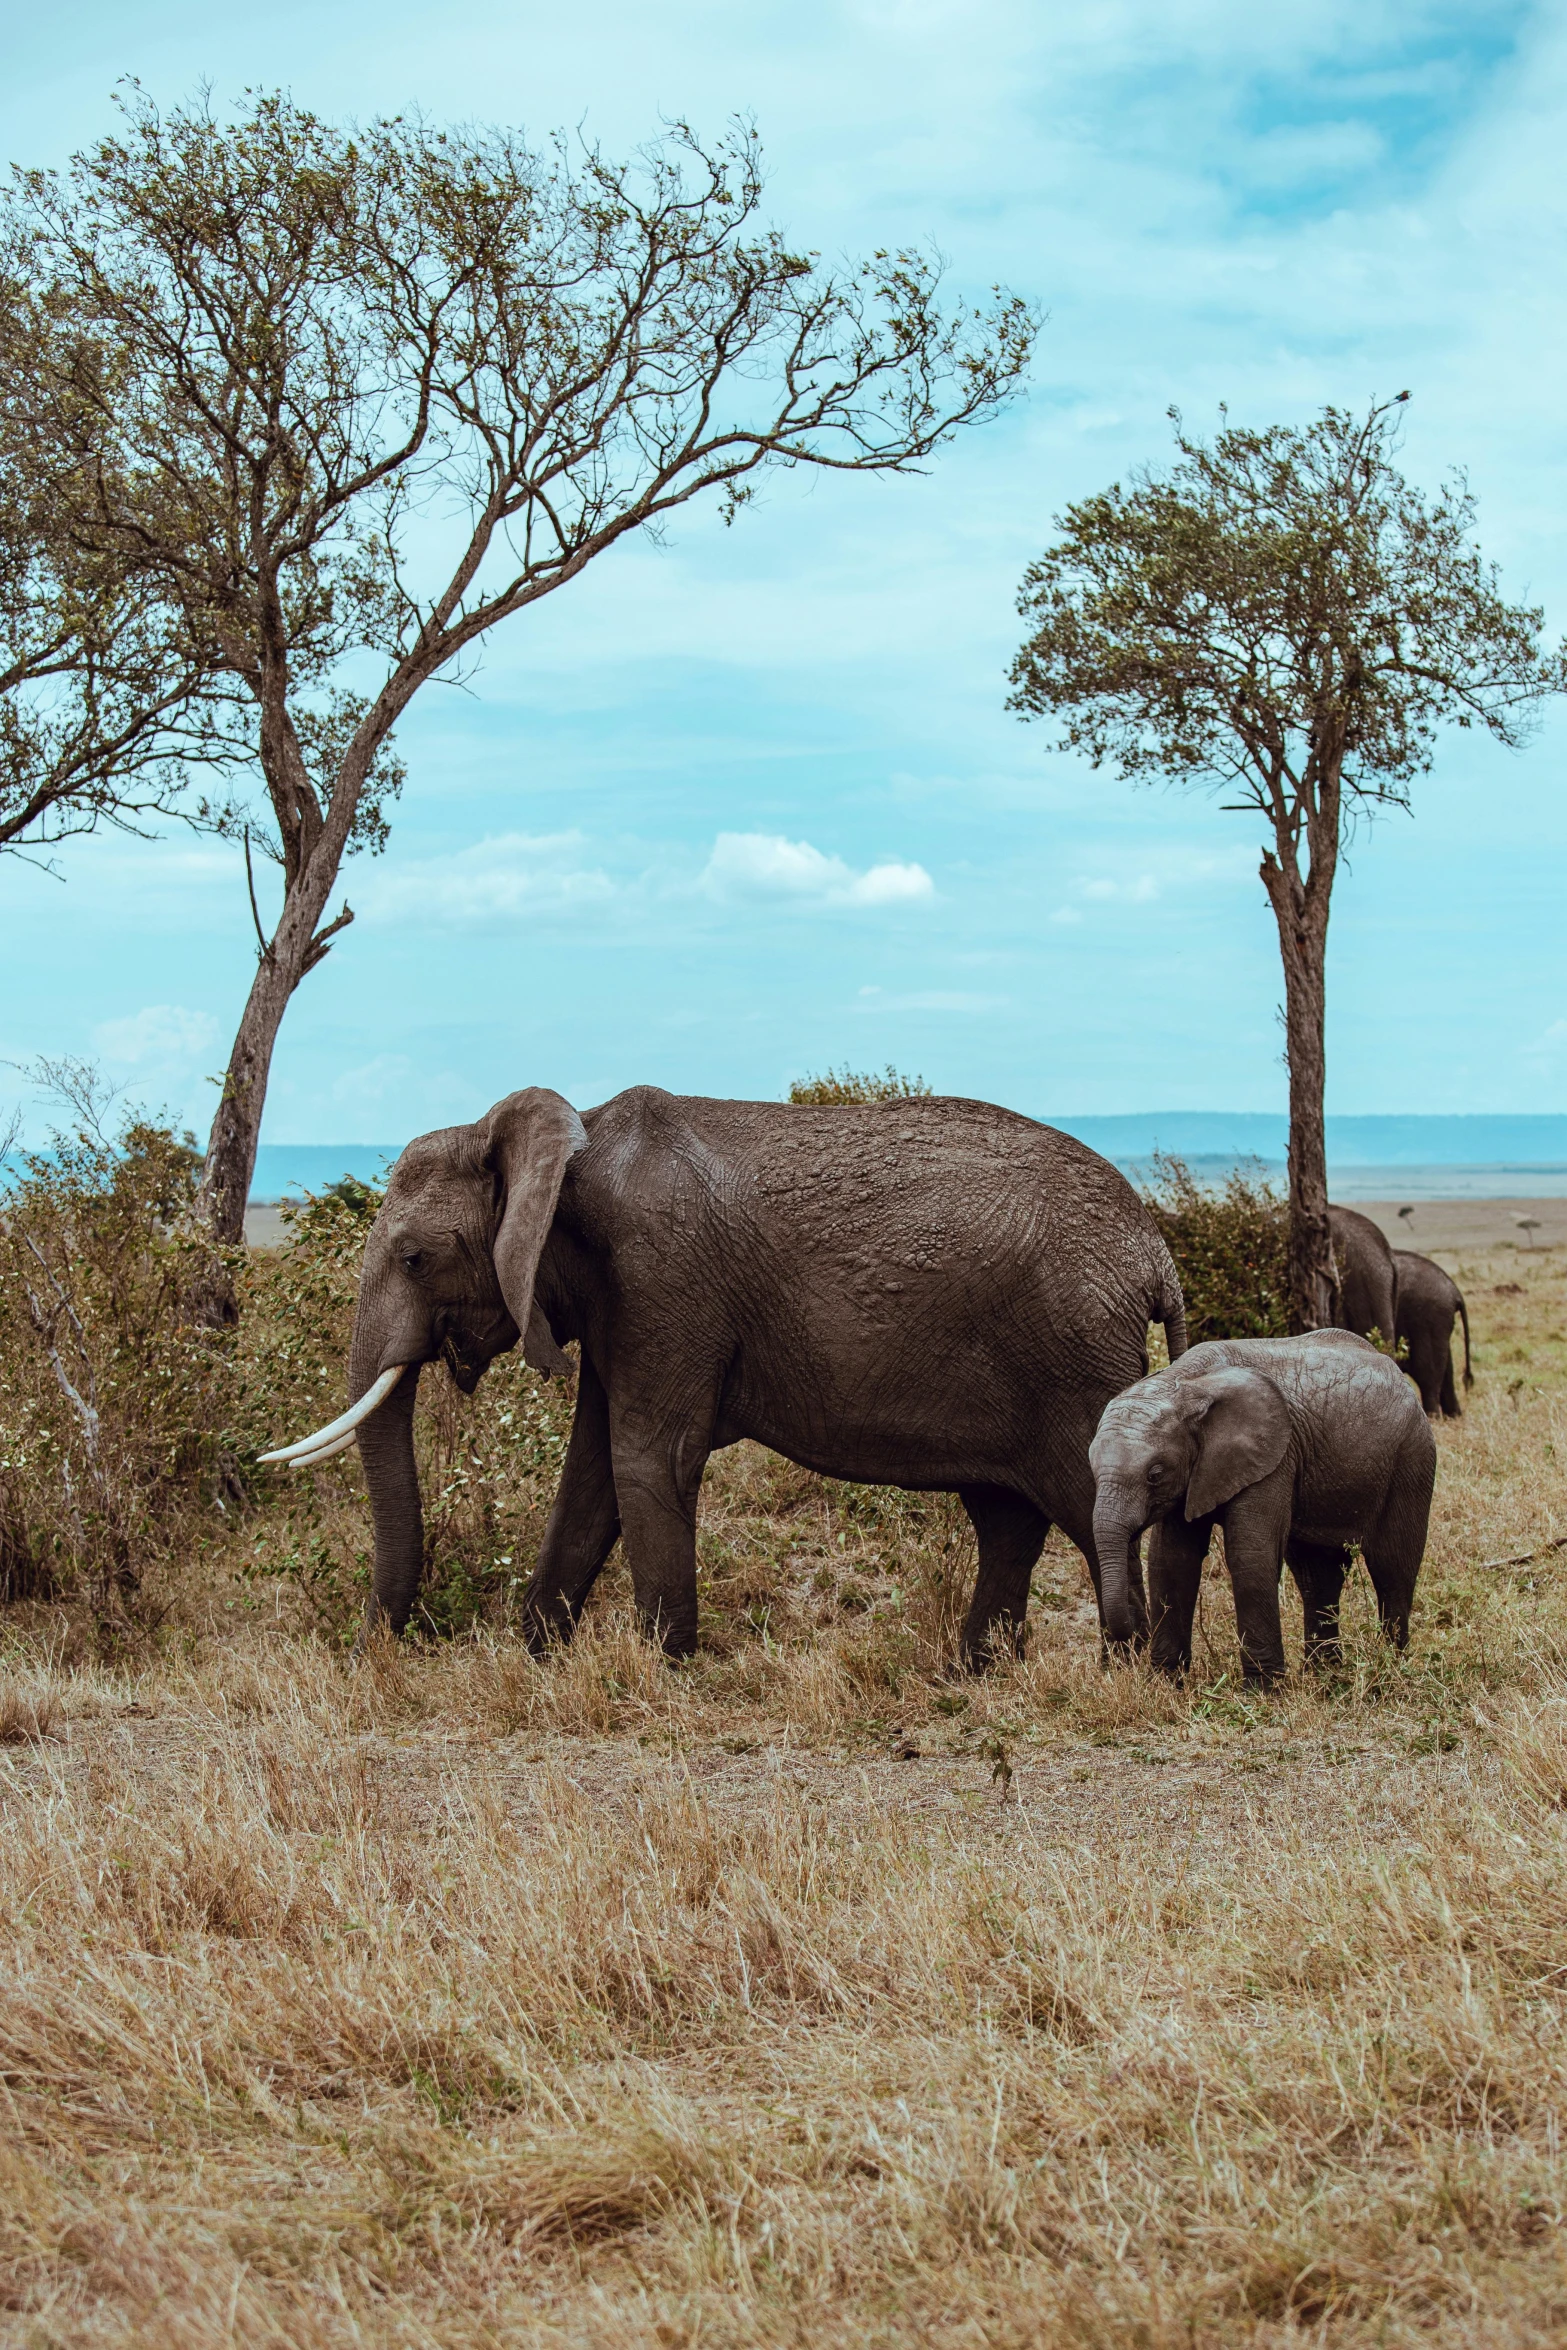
(29, 1710)
(857, 1085)
(633, 2165)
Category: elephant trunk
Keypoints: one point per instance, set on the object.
(1118, 1522)
(386, 1448)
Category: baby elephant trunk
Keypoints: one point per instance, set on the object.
(1119, 1518)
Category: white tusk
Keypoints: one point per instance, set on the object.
(346, 1422)
(327, 1452)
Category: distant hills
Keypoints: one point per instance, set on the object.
(1485, 1155)
(1524, 1140)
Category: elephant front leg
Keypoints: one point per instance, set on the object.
(1175, 1562)
(583, 1523)
(1011, 1534)
(657, 1482)
(1255, 1526)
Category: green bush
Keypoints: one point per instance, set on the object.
(857, 1085)
(130, 1435)
(1231, 1249)
(113, 1403)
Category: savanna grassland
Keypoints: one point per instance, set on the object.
(805, 1995)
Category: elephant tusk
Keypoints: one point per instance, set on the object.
(345, 1423)
(325, 1452)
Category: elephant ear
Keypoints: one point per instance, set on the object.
(1242, 1429)
(527, 1141)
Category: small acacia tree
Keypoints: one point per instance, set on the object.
(347, 400)
(1281, 615)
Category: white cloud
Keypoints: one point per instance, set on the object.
(1127, 893)
(512, 877)
(373, 1082)
(930, 999)
(761, 865)
(158, 1036)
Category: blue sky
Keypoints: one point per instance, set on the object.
(737, 806)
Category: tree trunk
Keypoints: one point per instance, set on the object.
(295, 948)
(236, 1129)
(1311, 1281)
(1300, 907)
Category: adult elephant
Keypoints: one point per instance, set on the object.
(1366, 1298)
(930, 1293)
(1429, 1301)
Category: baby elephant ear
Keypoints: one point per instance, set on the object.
(1242, 1430)
(527, 1141)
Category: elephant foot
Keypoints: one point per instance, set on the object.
(675, 1635)
(546, 1629)
(996, 1643)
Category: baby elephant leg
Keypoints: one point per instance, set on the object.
(1175, 1563)
(1395, 1546)
(1255, 1525)
(1319, 1569)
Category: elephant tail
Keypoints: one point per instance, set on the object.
(1172, 1310)
(1469, 1377)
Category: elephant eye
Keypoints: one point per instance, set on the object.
(413, 1258)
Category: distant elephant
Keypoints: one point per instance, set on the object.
(1297, 1447)
(929, 1293)
(1428, 1301)
(1366, 1298)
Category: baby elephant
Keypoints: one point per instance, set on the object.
(1297, 1447)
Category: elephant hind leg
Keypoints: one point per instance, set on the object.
(1011, 1534)
(1452, 1409)
(1394, 1548)
(1319, 1569)
(658, 1479)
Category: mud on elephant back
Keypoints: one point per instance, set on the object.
(929, 1293)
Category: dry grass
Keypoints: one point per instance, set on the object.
(806, 1995)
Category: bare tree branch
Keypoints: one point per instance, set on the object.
(324, 395)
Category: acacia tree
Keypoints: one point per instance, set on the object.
(346, 400)
(1281, 615)
(103, 689)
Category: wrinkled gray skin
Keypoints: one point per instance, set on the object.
(1367, 1295)
(1429, 1300)
(933, 1294)
(1297, 1447)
